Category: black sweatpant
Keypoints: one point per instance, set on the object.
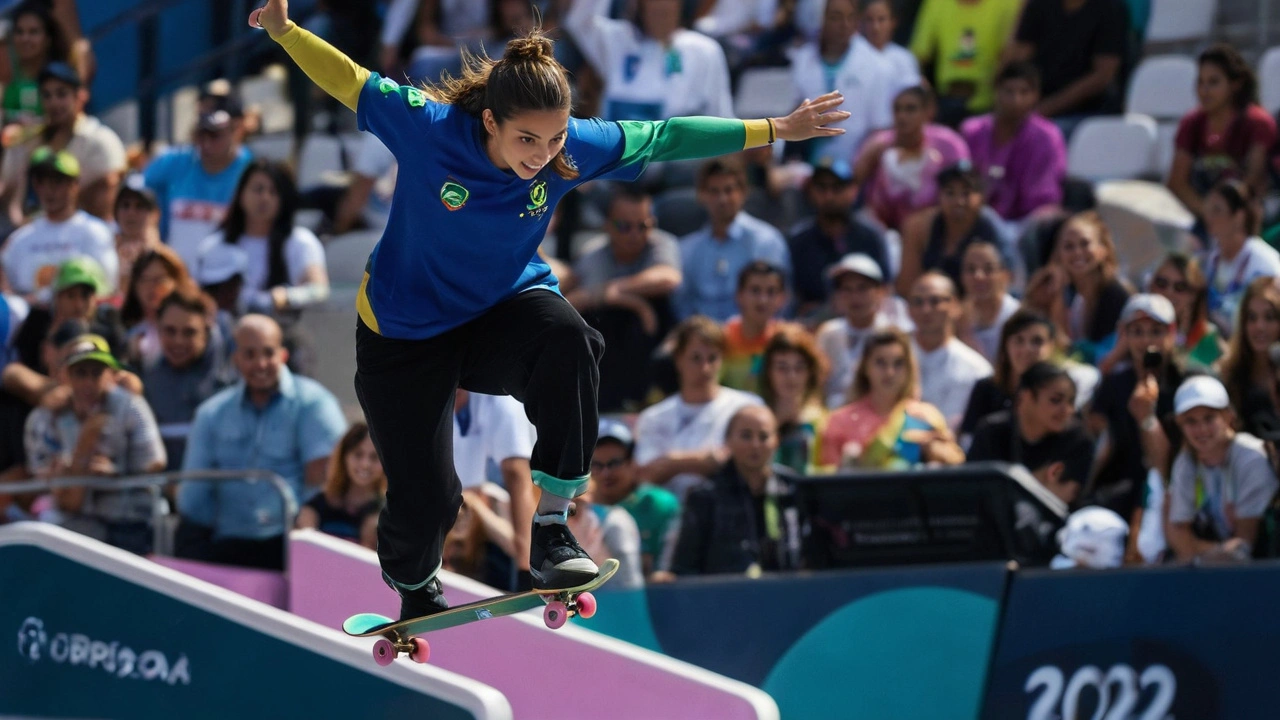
(534, 347)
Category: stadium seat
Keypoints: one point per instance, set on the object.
(1166, 133)
(1163, 87)
(1180, 20)
(346, 256)
(123, 119)
(1269, 80)
(276, 146)
(1112, 148)
(764, 92)
(321, 154)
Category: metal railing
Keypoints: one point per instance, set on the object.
(154, 483)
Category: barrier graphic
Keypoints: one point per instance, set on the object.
(98, 632)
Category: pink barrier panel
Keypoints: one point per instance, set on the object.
(263, 585)
(330, 580)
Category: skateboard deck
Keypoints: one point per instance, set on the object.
(401, 637)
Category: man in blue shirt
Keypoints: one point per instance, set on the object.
(713, 256)
(195, 183)
(270, 420)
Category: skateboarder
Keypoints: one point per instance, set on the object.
(455, 295)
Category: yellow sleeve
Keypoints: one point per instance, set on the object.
(327, 67)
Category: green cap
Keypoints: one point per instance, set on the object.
(90, 347)
(80, 271)
(45, 159)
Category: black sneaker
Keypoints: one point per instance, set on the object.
(556, 560)
(424, 601)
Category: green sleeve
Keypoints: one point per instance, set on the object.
(682, 138)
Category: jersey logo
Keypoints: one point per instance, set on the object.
(453, 195)
(537, 206)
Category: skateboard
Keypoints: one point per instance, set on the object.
(404, 636)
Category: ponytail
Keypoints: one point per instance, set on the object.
(527, 78)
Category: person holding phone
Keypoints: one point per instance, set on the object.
(1134, 405)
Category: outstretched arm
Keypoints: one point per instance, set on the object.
(689, 138)
(327, 67)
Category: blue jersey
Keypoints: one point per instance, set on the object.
(462, 234)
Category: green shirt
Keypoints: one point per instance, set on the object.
(654, 509)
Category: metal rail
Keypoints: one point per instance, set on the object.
(155, 482)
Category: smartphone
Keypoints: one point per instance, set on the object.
(1152, 359)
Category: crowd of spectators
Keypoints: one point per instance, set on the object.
(921, 291)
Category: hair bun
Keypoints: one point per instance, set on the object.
(532, 46)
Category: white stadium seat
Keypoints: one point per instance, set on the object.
(1178, 20)
(1163, 87)
(1112, 148)
(347, 255)
(321, 154)
(1269, 80)
(764, 92)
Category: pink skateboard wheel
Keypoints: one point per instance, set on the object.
(421, 651)
(586, 605)
(384, 652)
(555, 615)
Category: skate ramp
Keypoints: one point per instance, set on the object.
(331, 579)
(103, 633)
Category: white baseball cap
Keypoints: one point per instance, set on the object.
(858, 264)
(1156, 307)
(1200, 391)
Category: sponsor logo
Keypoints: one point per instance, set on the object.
(483, 614)
(453, 195)
(537, 206)
(36, 644)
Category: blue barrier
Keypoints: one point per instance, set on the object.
(1148, 643)
(885, 643)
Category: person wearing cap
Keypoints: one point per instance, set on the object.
(1134, 404)
(833, 233)
(615, 482)
(95, 146)
(137, 217)
(861, 289)
(196, 184)
(948, 368)
(1222, 481)
(712, 257)
(105, 430)
(32, 254)
(77, 290)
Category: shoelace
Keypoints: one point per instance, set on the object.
(562, 538)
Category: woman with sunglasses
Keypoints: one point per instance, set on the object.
(1180, 279)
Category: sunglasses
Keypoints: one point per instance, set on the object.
(614, 464)
(1163, 283)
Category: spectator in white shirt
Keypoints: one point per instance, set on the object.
(67, 127)
(679, 441)
(33, 253)
(948, 368)
(653, 68)
(861, 290)
(879, 22)
(843, 60)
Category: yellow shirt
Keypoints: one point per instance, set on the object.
(963, 39)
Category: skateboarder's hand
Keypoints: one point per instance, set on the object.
(273, 17)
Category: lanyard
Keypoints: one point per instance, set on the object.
(1237, 282)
